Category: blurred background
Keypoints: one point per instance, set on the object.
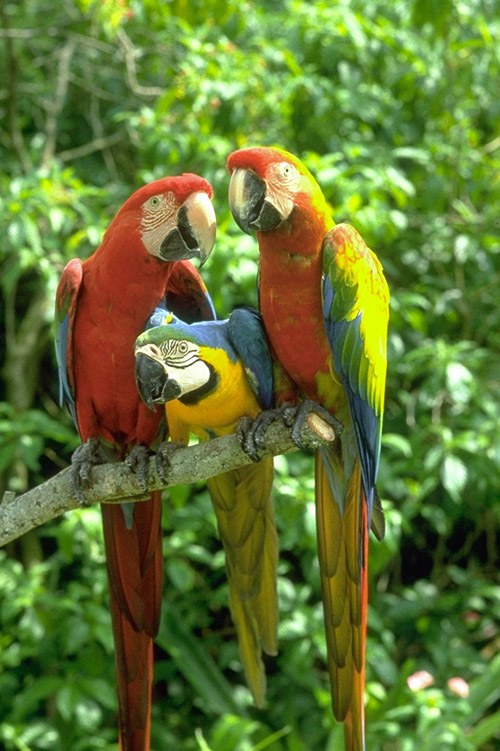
(395, 108)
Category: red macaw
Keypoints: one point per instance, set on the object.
(102, 305)
(324, 302)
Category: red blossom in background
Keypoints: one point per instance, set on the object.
(419, 680)
(459, 687)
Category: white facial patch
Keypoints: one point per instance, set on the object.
(158, 219)
(181, 361)
(283, 181)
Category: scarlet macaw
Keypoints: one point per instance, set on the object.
(210, 375)
(102, 305)
(325, 302)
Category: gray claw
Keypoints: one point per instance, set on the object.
(163, 458)
(245, 433)
(138, 461)
(86, 456)
(252, 433)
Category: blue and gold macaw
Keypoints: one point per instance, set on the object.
(209, 376)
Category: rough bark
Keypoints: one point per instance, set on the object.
(114, 483)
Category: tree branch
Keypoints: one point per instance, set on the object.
(115, 483)
(98, 144)
(130, 53)
(56, 106)
(11, 78)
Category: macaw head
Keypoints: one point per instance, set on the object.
(270, 188)
(169, 364)
(173, 217)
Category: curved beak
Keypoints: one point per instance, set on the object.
(248, 204)
(152, 380)
(194, 235)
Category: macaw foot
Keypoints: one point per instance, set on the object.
(251, 433)
(163, 458)
(246, 438)
(295, 416)
(86, 456)
(138, 461)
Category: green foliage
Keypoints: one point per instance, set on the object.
(395, 108)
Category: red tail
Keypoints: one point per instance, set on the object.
(134, 559)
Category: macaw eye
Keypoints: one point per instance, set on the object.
(285, 170)
(154, 202)
(183, 347)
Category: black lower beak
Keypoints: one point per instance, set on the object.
(247, 200)
(181, 243)
(153, 383)
(175, 248)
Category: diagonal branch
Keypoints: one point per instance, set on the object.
(56, 107)
(10, 76)
(130, 54)
(115, 483)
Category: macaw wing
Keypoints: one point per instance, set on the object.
(249, 339)
(356, 312)
(187, 297)
(66, 301)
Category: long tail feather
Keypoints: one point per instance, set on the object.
(134, 558)
(342, 548)
(245, 516)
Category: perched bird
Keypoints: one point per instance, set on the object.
(210, 375)
(102, 305)
(325, 305)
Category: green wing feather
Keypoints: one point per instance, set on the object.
(356, 311)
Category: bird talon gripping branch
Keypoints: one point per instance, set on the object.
(138, 461)
(251, 433)
(245, 436)
(163, 458)
(86, 456)
(295, 416)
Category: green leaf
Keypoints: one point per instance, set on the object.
(454, 476)
(459, 381)
(485, 690)
(196, 665)
(181, 574)
(484, 731)
(397, 442)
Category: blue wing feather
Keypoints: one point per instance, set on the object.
(66, 301)
(66, 395)
(342, 334)
(249, 339)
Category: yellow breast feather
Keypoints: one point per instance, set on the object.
(220, 410)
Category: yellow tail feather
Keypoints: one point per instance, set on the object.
(245, 517)
(342, 537)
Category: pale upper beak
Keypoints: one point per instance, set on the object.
(250, 207)
(194, 234)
